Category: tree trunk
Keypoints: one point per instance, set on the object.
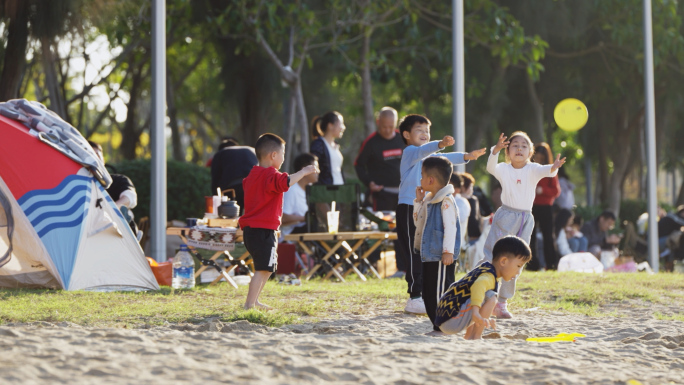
(290, 129)
(303, 121)
(130, 134)
(537, 132)
(680, 196)
(57, 102)
(14, 62)
(603, 177)
(366, 90)
(177, 151)
(490, 114)
(621, 157)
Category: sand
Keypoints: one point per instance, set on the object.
(382, 348)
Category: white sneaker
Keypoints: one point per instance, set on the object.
(415, 306)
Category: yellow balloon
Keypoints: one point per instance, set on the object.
(570, 114)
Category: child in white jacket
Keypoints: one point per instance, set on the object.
(438, 231)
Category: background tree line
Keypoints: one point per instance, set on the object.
(244, 67)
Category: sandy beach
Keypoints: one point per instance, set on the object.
(381, 348)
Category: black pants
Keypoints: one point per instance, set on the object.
(384, 201)
(543, 221)
(437, 278)
(406, 230)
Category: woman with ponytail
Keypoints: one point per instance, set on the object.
(325, 129)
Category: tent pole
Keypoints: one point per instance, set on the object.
(653, 255)
(158, 139)
(458, 90)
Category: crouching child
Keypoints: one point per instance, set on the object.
(468, 303)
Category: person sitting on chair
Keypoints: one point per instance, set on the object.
(122, 191)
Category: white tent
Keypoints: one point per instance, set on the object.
(58, 226)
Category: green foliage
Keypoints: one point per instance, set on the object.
(187, 184)
(630, 209)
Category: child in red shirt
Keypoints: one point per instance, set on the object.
(264, 188)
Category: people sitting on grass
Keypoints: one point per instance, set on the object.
(468, 304)
(669, 234)
(568, 237)
(596, 232)
(264, 188)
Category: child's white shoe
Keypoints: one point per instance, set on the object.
(415, 306)
(501, 311)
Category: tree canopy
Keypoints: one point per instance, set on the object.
(241, 68)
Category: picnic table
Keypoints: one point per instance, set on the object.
(245, 259)
(331, 243)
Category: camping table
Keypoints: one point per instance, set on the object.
(341, 240)
(245, 258)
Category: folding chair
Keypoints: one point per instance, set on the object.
(347, 199)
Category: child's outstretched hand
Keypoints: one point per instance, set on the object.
(310, 169)
(447, 258)
(473, 155)
(420, 194)
(501, 144)
(447, 141)
(558, 163)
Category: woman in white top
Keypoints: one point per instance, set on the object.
(518, 178)
(326, 128)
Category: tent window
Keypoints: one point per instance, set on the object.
(6, 229)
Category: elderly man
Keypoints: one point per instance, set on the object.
(596, 233)
(377, 165)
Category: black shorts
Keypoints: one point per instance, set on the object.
(262, 245)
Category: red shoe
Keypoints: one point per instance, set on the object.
(501, 311)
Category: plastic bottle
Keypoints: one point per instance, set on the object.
(183, 269)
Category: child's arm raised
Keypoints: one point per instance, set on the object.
(494, 155)
(296, 177)
(558, 163)
(501, 144)
(473, 155)
(547, 170)
(415, 154)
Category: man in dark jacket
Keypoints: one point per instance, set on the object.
(231, 164)
(377, 164)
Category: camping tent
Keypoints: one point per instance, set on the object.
(58, 226)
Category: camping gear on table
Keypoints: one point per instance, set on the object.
(58, 226)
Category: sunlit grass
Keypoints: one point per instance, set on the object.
(318, 299)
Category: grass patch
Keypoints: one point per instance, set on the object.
(567, 292)
(670, 317)
(589, 293)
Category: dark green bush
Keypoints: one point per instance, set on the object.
(630, 209)
(187, 184)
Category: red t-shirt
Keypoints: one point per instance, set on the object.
(550, 191)
(264, 188)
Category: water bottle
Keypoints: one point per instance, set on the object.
(183, 269)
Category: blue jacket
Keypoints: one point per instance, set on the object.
(411, 164)
(438, 229)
